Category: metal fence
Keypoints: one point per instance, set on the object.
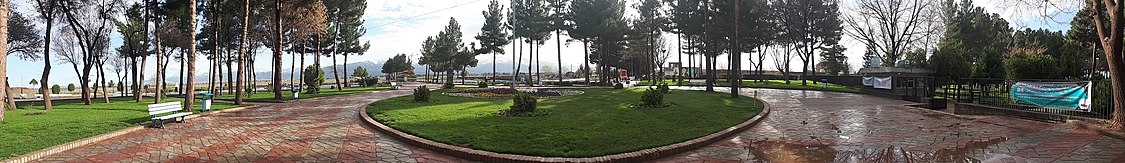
(995, 92)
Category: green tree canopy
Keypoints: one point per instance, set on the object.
(360, 72)
(56, 89)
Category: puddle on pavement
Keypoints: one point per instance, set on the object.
(780, 151)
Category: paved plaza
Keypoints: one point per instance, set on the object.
(804, 126)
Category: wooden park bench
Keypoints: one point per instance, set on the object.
(156, 110)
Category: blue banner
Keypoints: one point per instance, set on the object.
(1058, 95)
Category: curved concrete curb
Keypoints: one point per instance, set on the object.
(635, 156)
(29, 157)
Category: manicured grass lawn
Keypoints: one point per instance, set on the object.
(286, 95)
(774, 84)
(599, 122)
(70, 120)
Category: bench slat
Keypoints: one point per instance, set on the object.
(164, 104)
(162, 108)
(173, 116)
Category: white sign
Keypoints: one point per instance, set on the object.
(883, 83)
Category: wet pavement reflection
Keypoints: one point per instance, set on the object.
(813, 126)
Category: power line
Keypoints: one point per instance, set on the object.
(424, 14)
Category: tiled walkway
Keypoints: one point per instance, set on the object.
(317, 130)
(805, 126)
(811, 126)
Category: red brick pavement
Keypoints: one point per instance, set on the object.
(812, 126)
(311, 130)
(805, 126)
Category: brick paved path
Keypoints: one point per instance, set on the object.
(811, 126)
(317, 130)
(805, 126)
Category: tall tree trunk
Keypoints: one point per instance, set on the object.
(180, 87)
(8, 94)
(101, 73)
(277, 52)
(159, 69)
(530, 58)
(736, 53)
(293, 72)
(335, 36)
(4, 51)
(586, 60)
(710, 74)
(680, 57)
(515, 61)
(189, 99)
(346, 76)
(518, 66)
(242, 52)
(493, 80)
(230, 61)
(133, 88)
(339, 87)
(538, 65)
(301, 68)
(43, 82)
(558, 45)
(141, 76)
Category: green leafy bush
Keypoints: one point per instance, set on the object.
(1030, 66)
(663, 88)
(482, 84)
(313, 77)
(56, 89)
(652, 98)
(447, 86)
(522, 103)
(422, 94)
(618, 86)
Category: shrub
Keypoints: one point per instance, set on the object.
(422, 94)
(447, 86)
(313, 77)
(618, 86)
(652, 98)
(523, 103)
(663, 88)
(567, 84)
(56, 89)
(482, 84)
(1030, 66)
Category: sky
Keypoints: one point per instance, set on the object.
(399, 27)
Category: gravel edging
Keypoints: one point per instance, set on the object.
(635, 156)
(30, 157)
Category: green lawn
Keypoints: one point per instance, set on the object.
(775, 84)
(599, 122)
(70, 120)
(286, 95)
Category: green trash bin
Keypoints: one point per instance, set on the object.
(207, 98)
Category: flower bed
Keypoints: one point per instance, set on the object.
(508, 92)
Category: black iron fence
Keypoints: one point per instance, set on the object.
(995, 93)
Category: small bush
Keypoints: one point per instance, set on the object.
(482, 84)
(522, 103)
(618, 86)
(567, 84)
(652, 98)
(447, 86)
(663, 88)
(422, 94)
